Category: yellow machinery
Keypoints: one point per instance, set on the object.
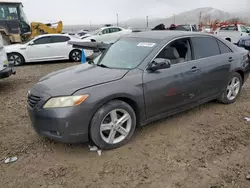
(40, 28)
(14, 26)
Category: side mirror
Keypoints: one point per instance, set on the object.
(31, 43)
(159, 63)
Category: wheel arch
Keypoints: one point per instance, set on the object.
(125, 98)
(241, 72)
(15, 52)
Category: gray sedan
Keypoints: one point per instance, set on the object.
(141, 78)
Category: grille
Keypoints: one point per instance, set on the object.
(33, 100)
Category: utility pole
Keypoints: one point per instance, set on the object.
(117, 19)
(147, 21)
(90, 25)
(174, 18)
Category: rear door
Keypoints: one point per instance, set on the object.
(214, 59)
(60, 48)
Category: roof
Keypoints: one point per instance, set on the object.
(10, 1)
(164, 34)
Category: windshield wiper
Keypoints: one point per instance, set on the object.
(102, 65)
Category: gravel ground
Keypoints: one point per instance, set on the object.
(204, 147)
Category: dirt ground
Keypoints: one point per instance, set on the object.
(208, 147)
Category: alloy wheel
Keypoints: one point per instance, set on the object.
(15, 60)
(233, 88)
(116, 126)
(76, 56)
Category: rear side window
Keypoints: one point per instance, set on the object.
(205, 47)
(223, 48)
(57, 39)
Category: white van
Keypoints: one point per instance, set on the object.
(5, 69)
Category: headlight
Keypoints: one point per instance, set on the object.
(60, 102)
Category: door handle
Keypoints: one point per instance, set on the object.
(230, 59)
(194, 69)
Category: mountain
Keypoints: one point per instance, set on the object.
(204, 14)
(189, 17)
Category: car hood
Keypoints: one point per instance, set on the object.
(69, 80)
(10, 48)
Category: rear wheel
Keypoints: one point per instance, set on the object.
(113, 125)
(15, 59)
(232, 90)
(75, 55)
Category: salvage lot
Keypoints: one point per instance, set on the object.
(204, 147)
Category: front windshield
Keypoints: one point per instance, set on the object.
(126, 53)
(96, 32)
(8, 12)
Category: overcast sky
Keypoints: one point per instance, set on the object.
(104, 11)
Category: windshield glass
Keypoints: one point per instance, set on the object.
(22, 14)
(95, 32)
(127, 53)
(8, 12)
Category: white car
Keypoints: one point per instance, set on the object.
(107, 34)
(48, 47)
(232, 33)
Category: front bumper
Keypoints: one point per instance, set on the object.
(7, 72)
(67, 125)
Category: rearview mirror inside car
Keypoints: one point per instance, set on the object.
(159, 63)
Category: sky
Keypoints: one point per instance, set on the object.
(73, 12)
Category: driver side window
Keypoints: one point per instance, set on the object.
(105, 31)
(42, 40)
(178, 51)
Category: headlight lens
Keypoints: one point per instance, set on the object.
(69, 101)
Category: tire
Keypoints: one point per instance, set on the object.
(75, 55)
(225, 99)
(16, 59)
(105, 131)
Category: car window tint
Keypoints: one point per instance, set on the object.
(205, 47)
(243, 29)
(178, 51)
(223, 48)
(57, 39)
(42, 40)
(105, 31)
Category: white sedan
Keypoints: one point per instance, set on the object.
(48, 47)
(107, 34)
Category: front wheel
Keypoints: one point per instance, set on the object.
(232, 90)
(113, 125)
(15, 59)
(75, 55)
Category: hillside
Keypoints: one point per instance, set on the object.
(188, 17)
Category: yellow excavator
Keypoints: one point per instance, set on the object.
(15, 28)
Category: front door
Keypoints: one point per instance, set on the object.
(169, 90)
(40, 49)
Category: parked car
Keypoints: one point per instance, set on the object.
(46, 47)
(139, 79)
(244, 42)
(186, 27)
(232, 33)
(5, 70)
(105, 34)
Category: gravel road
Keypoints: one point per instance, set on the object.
(206, 147)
